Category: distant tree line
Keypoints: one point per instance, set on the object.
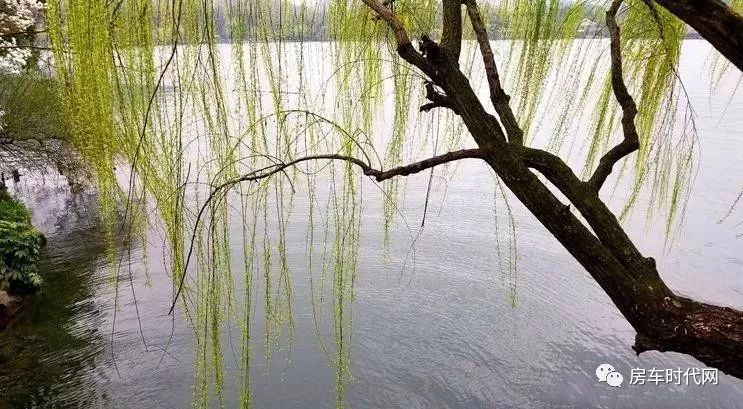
(312, 23)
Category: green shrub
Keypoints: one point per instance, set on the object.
(33, 134)
(31, 106)
(12, 210)
(20, 245)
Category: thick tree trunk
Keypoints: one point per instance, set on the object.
(712, 334)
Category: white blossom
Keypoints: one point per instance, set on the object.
(12, 59)
(16, 16)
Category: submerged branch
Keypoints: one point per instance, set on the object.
(631, 141)
(498, 96)
(267, 172)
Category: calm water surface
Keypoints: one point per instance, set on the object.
(444, 334)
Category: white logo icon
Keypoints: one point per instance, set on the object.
(606, 373)
(602, 371)
(614, 379)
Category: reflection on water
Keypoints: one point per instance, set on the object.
(444, 335)
(54, 351)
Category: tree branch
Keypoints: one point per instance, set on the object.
(451, 38)
(22, 33)
(595, 212)
(21, 46)
(404, 47)
(556, 171)
(499, 98)
(438, 99)
(379, 175)
(447, 75)
(631, 141)
(426, 164)
(715, 21)
(267, 172)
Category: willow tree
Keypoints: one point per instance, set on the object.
(146, 87)
(663, 320)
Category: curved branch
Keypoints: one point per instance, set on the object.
(385, 13)
(631, 141)
(498, 96)
(267, 172)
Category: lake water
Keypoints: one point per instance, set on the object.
(440, 332)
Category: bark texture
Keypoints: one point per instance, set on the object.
(715, 21)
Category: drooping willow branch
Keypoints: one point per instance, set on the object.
(631, 141)
(368, 170)
(556, 170)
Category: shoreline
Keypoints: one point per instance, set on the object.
(11, 307)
